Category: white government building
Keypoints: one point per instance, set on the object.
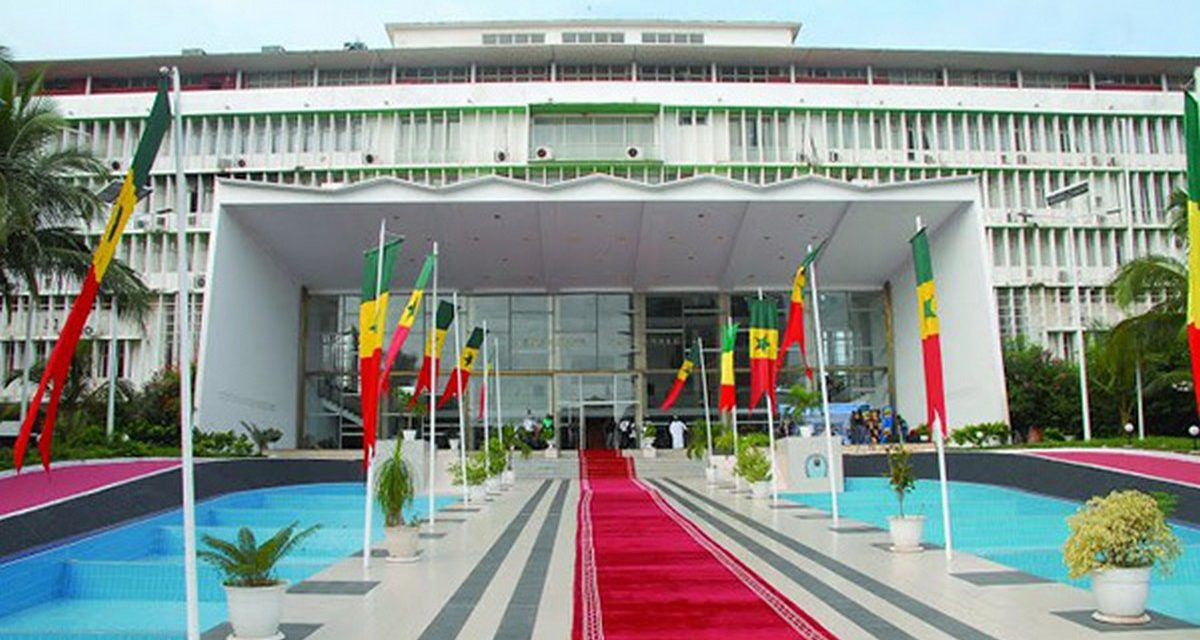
(605, 191)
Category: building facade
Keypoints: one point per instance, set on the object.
(652, 104)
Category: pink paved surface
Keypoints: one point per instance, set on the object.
(35, 488)
(1173, 468)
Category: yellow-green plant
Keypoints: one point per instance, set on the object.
(753, 465)
(1122, 530)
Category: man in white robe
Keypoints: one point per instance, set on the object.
(677, 428)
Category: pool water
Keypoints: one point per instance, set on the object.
(127, 582)
(1022, 530)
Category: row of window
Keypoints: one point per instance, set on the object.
(593, 37)
(699, 72)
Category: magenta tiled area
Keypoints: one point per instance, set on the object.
(34, 487)
(1171, 467)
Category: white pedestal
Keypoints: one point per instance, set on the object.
(804, 467)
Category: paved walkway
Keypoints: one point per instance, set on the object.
(506, 570)
(33, 487)
(1158, 465)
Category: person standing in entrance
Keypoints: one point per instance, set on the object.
(677, 429)
(528, 425)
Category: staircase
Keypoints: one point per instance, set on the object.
(668, 464)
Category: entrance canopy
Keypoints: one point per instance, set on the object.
(271, 242)
(597, 233)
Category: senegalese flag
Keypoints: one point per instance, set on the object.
(793, 333)
(433, 349)
(372, 313)
(59, 363)
(407, 318)
(681, 376)
(764, 348)
(1191, 128)
(466, 362)
(931, 345)
(728, 398)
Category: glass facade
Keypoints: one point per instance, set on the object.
(583, 359)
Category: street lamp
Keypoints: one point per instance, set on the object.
(1129, 434)
(1194, 432)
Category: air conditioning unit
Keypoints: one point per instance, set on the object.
(241, 163)
(141, 223)
(543, 153)
(1004, 158)
(199, 282)
(834, 156)
(500, 155)
(633, 152)
(1022, 158)
(88, 331)
(115, 165)
(369, 158)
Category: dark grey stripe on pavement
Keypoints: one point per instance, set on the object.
(519, 616)
(453, 615)
(860, 615)
(953, 627)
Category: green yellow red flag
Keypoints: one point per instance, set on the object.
(407, 318)
(764, 348)
(689, 362)
(59, 363)
(1191, 129)
(931, 344)
(433, 349)
(466, 363)
(728, 397)
(372, 313)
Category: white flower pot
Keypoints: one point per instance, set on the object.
(454, 444)
(905, 532)
(410, 435)
(710, 474)
(254, 612)
(760, 490)
(492, 485)
(1121, 594)
(806, 431)
(649, 452)
(401, 543)
(477, 492)
(550, 452)
(508, 478)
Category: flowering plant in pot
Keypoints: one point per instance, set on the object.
(754, 467)
(1118, 539)
(905, 531)
(394, 490)
(497, 463)
(252, 590)
(474, 477)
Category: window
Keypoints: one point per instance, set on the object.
(832, 75)
(275, 79)
(594, 72)
(522, 73)
(585, 137)
(432, 75)
(958, 78)
(352, 77)
(928, 77)
(753, 74)
(428, 137)
(690, 118)
(1128, 81)
(1037, 80)
(656, 37)
(513, 38)
(674, 73)
(593, 37)
(756, 136)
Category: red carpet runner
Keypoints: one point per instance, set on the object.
(644, 571)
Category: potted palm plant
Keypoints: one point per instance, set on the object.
(905, 531)
(1118, 539)
(394, 490)
(253, 592)
(754, 467)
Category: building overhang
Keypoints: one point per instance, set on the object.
(595, 233)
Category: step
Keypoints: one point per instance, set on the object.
(350, 515)
(162, 579)
(327, 541)
(70, 619)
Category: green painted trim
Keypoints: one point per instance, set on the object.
(315, 112)
(594, 107)
(895, 110)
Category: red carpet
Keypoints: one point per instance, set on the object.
(644, 571)
(1171, 467)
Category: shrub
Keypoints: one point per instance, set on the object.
(979, 435)
(476, 470)
(1125, 529)
(247, 563)
(753, 465)
(497, 456)
(221, 444)
(149, 433)
(262, 438)
(1051, 434)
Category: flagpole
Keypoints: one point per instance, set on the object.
(369, 448)
(462, 427)
(737, 479)
(499, 410)
(707, 415)
(939, 442)
(835, 466)
(771, 437)
(433, 379)
(487, 452)
(191, 587)
(110, 418)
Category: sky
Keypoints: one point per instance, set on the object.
(58, 29)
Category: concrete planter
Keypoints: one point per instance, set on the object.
(401, 543)
(454, 444)
(905, 532)
(761, 490)
(649, 452)
(410, 435)
(1121, 595)
(492, 485)
(477, 493)
(254, 612)
(508, 478)
(550, 453)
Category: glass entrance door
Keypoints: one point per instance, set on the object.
(591, 406)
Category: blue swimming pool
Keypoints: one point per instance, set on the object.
(1022, 530)
(127, 582)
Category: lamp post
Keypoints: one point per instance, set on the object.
(1194, 432)
(1129, 434)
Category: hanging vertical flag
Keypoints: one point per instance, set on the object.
(372, 313)
(931, 346)
(466, 362)
(793, 333)
(689, 363)
(728, 399)
(433, 347)
(1191, 128)
(59, 363)
(487, 371)
(407, 318)
(764, 347)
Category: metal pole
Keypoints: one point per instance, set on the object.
(185, 372)
(462, 394)
(1077, 318)
(30, 314)
(582, 437)
(486, 418)
(499, 409)
(835, 466)
(433, 379)
(368, 449)
(939, 441)
(707, 414)
(771, 436)
(733, 420)
(111, 416)
(1140, 408)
